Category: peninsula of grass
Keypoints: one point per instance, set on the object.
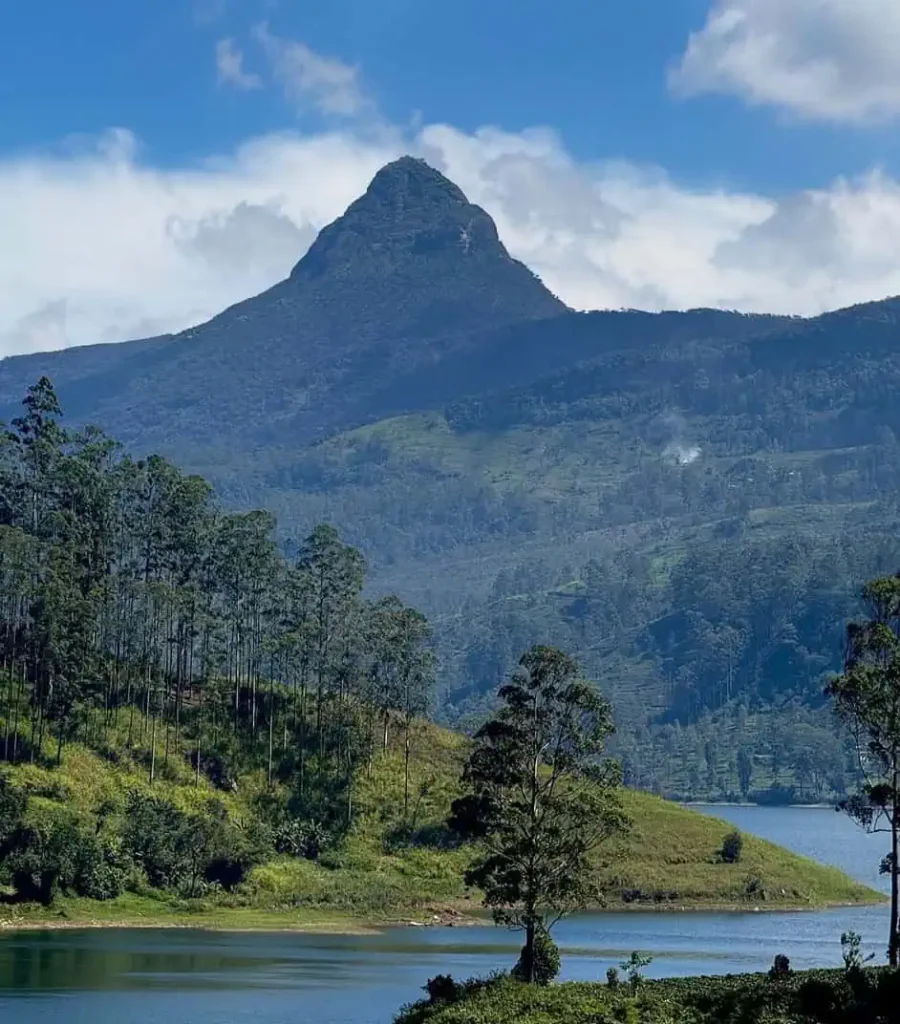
(381, 874)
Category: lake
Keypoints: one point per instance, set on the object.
(187, 977)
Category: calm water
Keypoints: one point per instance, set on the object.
(183, 977)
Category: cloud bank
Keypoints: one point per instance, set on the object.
(826, 60)
(101, 246)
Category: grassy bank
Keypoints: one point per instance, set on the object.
(380, 873)
(797, 998)
(669, 859)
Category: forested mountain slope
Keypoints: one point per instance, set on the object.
(688, 501)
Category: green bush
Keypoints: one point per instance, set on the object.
(102, 871)
(47, 857)
(443, 989)
(546, 960)
(781, 967)
(297, 838)
(634, 967)
(12, 815)
(820, 997)
(732, 848)
(187, 852)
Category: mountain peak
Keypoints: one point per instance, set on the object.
(412, 179)
(410, 220)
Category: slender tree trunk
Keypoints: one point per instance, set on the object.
(152, 738)
(20, 693)
(199, 731)
(406, 753)
(59, 740)
(528, 951)
(301, 780)
(41, 720)
(894, 947)
(10, 692)
(349, 795)
(271, 726)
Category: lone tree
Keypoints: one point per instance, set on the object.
(540, 798)
(867, 698)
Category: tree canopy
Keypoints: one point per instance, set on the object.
(540, 796)
(867, 699)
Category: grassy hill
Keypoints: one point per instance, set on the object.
(379, 872)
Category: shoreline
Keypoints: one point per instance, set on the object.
(283, 923)
(752, 803)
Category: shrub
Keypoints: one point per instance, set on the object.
(46, 857)
(12, 814)
(546, 960)
(185, 851)
(732, 848)
(435, 836)
(443, 989)
(216, 768)
(781, 967)
(103, 878)
(633, 967)
(753, 888)
(612, 978)
(304, 839)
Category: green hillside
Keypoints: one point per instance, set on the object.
(381, 870)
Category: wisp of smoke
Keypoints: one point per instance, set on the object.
(681, 454)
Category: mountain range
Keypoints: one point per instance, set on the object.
(688, 500)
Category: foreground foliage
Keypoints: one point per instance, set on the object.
(817, 997)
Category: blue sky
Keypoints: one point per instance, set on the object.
(595, 70)
(636, 152)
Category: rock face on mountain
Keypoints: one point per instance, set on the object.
(411, 274)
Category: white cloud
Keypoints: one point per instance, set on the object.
(230, 67)
(830, 60)
(312, 81)
(99, 245)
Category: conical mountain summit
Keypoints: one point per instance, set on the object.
(410, 275)
(414, 229)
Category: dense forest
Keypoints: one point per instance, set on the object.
(715, 659)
